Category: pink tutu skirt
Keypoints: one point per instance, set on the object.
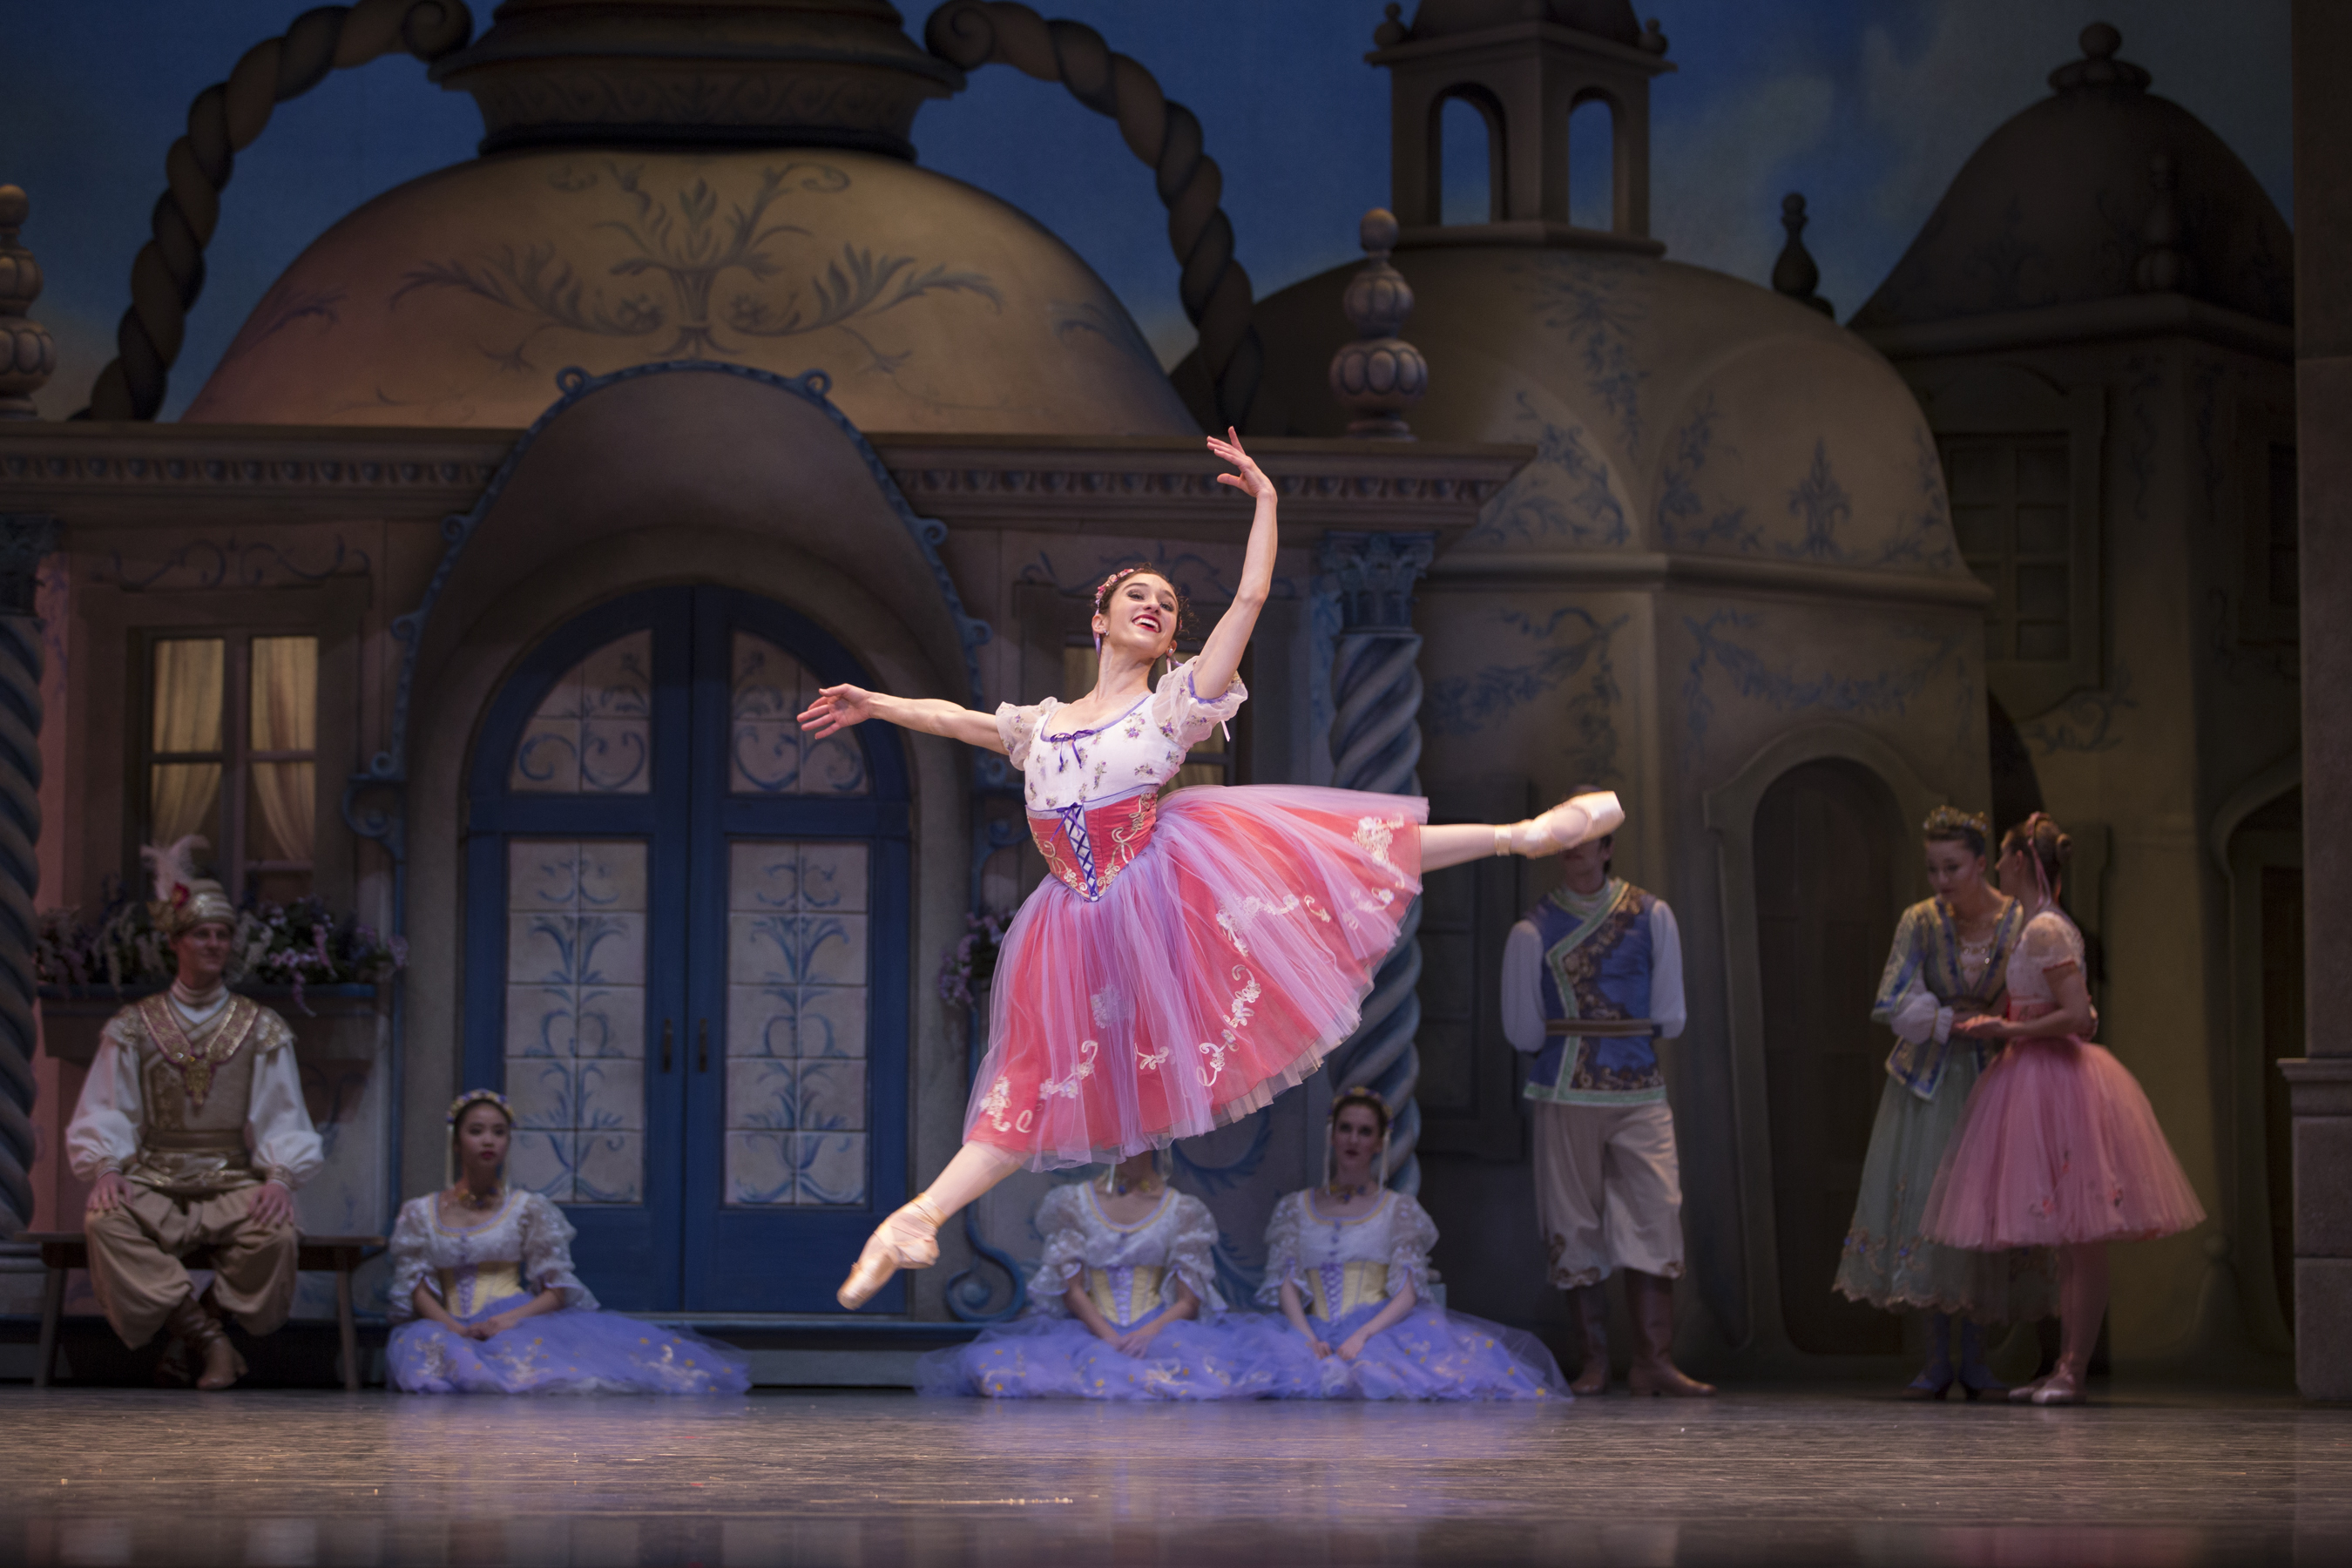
(1229, 950)
(2058, 1147)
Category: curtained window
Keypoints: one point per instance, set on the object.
(231, 756)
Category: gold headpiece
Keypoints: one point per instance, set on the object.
(472, 1097)
(184, 900)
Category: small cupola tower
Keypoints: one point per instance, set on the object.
(1526, 66)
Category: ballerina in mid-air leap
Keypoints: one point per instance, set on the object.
(1189, 959)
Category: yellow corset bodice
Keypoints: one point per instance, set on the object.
(1338, 1288)
(1126, 1295)
(471, 1286)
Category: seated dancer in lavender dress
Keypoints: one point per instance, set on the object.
(486, 1301)
(1349, 1265)
(1113, 1305)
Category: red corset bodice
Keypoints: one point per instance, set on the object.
(1089, 845)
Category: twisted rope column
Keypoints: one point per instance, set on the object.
(25, 538)
(1215, 290)
(169, 272)
(1376, 746)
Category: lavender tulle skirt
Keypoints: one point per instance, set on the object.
(2058, 1147)
(1228, 1357)
(1217, 968)
(565, 1351)
(1429, 1353)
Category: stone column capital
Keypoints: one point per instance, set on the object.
(1374, 574)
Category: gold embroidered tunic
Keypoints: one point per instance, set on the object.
(194, 1101)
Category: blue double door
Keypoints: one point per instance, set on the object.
(686, 952)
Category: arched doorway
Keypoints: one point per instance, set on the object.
(1825, 837)
(685, 951)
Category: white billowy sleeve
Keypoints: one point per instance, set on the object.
(1018, 727)
(286, 1147)
(1191, 1246)
(1522, 1016)
(412, 1259)
(1411, 1236)
(1062, 1221)
(1282, 1249)
(547, 1253)
(1185, 714)
(1667, 1008)
(104, 1133)
(1919, 1017)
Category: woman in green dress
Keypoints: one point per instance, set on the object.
(1949, 961)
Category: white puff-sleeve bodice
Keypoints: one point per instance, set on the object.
(1177, 1237)
(528, 1234)
(1399, 1234)
(2049, 942)
(1063, 765)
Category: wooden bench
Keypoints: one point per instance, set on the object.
(338, 1255)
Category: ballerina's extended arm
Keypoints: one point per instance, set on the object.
(836, 708)
(1220, 658)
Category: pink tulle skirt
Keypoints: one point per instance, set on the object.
(2058, 1146)
(1217, 970)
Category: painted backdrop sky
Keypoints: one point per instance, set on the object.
(1868, 107)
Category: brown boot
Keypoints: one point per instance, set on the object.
(1651, 1298)
(217, 1363)
(1591, 1309)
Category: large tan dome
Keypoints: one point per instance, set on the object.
(456, 299)
(1671, 408)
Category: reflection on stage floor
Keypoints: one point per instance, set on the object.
(1815, 1475)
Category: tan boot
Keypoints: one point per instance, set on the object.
(1591, 1309)
(1652, 1300)
(217, 1363)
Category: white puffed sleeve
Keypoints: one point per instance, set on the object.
(1919, 1017)
(1062, 1221)
(1282, 1248)
(1018, 727)
(411, 1257)
(286, 1147)
(1667, 1004)
(1411, 1236)
(1185, 715)
(104, 1133)
(2051, 941)
(1191, 1246)
(547, 1253)
(1523, 1013)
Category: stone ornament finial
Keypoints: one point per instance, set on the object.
(1796, 274)
(2164, 267)
(1393, 30)
(1380, 375)
(29, 357)
(1652, 40)
(2098, 67)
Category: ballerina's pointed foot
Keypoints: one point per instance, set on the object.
(2060, 1388)
(908, 1239)
(1574, 821)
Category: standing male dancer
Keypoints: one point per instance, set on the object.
(1593, 978)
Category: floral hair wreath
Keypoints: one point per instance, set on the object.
(473, 1097)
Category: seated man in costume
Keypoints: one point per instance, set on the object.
(192, 1124)
(1593, 979)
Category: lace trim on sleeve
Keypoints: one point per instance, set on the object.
(1191, 1248)
(2051, 941)
(1183, 715)
(1061, 1218)
(1018, 727)
(1409, 1240)
(1281, 1249)
(412, 1261)
(547, 1253)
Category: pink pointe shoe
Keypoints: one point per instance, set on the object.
(909, 1238)
(2060, 1387)
(1576, 820)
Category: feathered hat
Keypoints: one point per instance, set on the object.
(184, 900)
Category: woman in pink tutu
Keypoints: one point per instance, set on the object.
(2058, 1146)
(1188, 960)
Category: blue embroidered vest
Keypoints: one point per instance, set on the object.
(1596, 966)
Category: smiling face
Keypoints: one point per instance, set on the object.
(1139, 617)
(1355, 1142)
(482, 1136)
(1954, 871)
(203, 951)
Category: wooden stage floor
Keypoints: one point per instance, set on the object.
(1811, 1476)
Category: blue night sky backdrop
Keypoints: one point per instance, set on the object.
(1869, 107)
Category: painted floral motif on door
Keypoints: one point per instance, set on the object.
(593, 735)
(796, 1002)
(767, 754)
(575, 1017)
